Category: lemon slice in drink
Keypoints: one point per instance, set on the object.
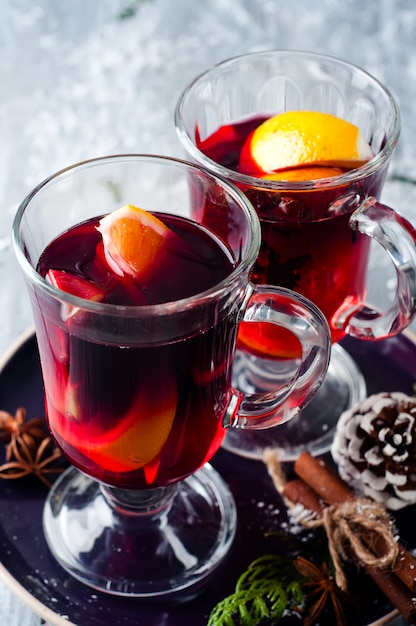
(299, 138)
(132, 238)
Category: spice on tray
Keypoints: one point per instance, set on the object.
(358, 529)
(321, 589)
(28, 448)
(293, 584)
(281, 590)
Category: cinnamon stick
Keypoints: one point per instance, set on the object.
(298, 492)
(323, 479)
(396, 592)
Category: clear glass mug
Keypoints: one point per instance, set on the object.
(107, 368)
(315, 234)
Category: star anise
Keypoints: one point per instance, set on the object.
(321, 591)
(18, 425)
(29, 450)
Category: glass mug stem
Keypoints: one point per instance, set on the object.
(397, 236)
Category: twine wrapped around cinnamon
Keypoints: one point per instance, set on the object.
(357, 528)
(352, 529)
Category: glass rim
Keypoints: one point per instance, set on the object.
(140, 311)
(353, 175)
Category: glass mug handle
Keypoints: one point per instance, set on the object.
(398, 237)
(298, 315)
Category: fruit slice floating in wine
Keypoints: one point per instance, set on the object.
(121, 410)
(76, 286)
(135, 439)
(132, 239)
(300, 139)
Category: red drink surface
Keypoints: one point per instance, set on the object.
(137, 416)
(306, 246)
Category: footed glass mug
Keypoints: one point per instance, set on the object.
(315, 233)
(138, 373)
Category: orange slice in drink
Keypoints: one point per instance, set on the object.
(135, 439)
(76, 286)
(132, 239)
(299, 138)
(268, 341)
(306, 172)
(141, 434)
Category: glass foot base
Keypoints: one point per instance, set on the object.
(170, 553)
(313, 428)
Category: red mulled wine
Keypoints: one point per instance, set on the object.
(307, 245)
(124, 414)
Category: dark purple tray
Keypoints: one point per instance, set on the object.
(29, 569)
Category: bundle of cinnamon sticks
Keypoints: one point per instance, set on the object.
(317, 487)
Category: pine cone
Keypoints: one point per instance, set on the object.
(375, 448)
